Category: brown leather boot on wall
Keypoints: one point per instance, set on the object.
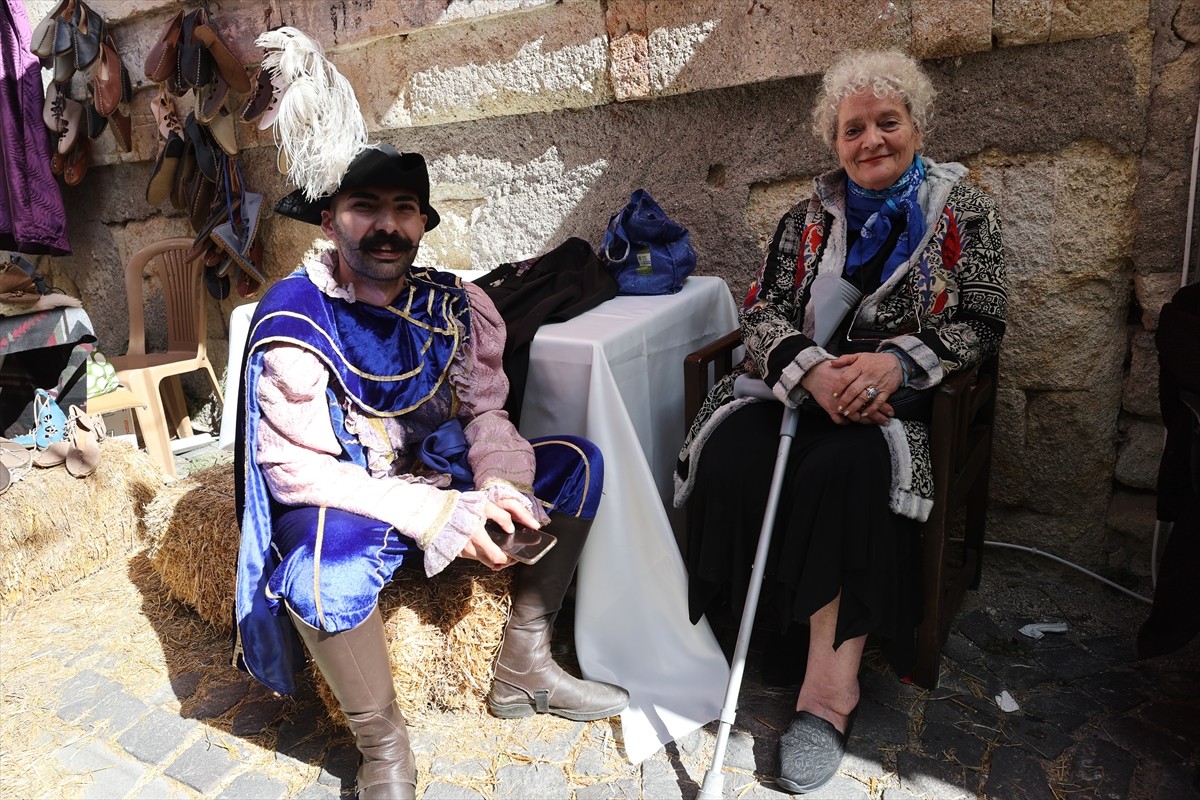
(528, 680)
(355, 664)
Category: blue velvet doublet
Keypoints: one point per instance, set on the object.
(330, 564)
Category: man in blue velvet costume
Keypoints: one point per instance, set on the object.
(373, 437)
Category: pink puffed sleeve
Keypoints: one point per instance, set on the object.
(297, 451)
(500, 457)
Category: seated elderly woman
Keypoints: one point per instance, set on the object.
(887, 280)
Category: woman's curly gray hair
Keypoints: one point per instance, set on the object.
(887, 72)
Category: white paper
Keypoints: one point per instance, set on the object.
(1006, 702)
(1035, 630)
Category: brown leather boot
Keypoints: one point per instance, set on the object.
(528, 680)
(355, 664)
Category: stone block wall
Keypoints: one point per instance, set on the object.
(540, 117)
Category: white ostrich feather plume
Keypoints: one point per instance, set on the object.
(320, 127)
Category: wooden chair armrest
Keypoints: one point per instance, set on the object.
(705, 367)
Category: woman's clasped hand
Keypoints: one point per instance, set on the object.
(855, 387)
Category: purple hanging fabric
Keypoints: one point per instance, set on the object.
(32, 218)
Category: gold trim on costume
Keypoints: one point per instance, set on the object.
(587, 469)
(317, 565)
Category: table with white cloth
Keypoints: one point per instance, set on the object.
(615, 376)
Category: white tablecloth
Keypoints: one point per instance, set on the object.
(615, 375)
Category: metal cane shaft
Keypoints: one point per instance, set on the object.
(713, 779)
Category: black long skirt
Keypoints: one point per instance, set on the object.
(834, 531)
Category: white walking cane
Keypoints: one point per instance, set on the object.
(714, 781)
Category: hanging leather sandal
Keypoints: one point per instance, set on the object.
(356, 666)
(528, 681)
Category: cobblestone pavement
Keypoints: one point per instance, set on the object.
(83, 718)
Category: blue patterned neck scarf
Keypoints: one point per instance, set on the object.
(874, 211)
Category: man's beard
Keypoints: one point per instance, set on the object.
(360, 261)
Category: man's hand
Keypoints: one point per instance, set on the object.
(480, 546)
(842, 386)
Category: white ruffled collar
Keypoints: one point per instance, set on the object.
(321, 269)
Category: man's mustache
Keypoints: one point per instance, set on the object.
(379, 240)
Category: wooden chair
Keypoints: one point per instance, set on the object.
(160, 408)
(961, 448)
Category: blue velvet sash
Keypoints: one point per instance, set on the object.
(363, 346)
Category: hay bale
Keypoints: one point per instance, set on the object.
(443, 632)
(56, 529)
(193, 529)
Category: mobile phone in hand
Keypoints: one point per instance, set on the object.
(526, 545)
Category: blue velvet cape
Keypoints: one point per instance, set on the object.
(361, 345)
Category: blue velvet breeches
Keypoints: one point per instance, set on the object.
(333, 563)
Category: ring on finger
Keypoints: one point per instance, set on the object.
(871, 393)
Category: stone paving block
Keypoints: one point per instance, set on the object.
(1116, 690)
(161, 788)
(1117, 649)
(961, 650)
(301, 736)
(81, 692)
(1103, 768)
(739, 751)
(558, 746)
(1066, 708)
(1070, 664)
(470, 768)
(1178, 718)
(880, 724)
(958, 707)
(111, 776)
(440, 790)
(1015, 773)
(202, 766)
(316, 791)
(83, 655)
(661, 781)
(216, 700)
(177, 689)
(116, 711)
(341, 766)
(520, 781)
(624, 789)
(952, 743)
(1040, 739)
(157, 736)
(1178, 782)
(250, 786)
(255, 716)
(932, 777)
(892, 793)
(591, 761)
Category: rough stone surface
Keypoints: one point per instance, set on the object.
(942, 29)
(1139, 454)
(1153, 291)
(1073, 20)
(1141, 384)
(1020, 22)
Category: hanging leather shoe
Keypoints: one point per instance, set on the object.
(356, 666)
(527, 679)
(96, 122)
(72, 121)
(41, 42)
(77, 164)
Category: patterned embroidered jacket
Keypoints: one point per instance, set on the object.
(946, 307)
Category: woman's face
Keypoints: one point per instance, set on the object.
(876, 139)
